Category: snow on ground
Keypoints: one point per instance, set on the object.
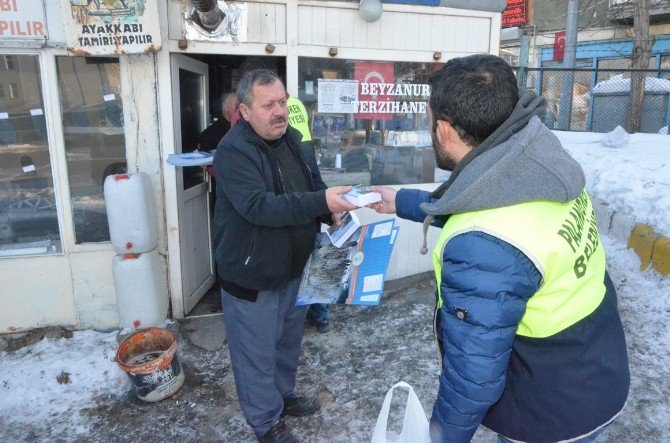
(71, 389)
(633, 179)
(349, 370)
(50, 382)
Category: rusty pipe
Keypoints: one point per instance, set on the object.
(208, 14)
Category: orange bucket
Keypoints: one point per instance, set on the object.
(149, 357)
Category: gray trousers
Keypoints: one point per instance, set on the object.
(264, 340)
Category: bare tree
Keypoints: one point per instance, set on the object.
(642, 44)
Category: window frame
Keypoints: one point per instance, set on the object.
(46, 58)
(67, 195)
(53, 143)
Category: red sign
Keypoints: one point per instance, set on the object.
(367, 73)
(559, 45)
(515, 14)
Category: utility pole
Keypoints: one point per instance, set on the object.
(641, 54)
(524, 49)
(570, 54)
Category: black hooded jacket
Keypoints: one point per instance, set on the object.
(254, 215)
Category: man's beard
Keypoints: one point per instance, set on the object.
(443, 160)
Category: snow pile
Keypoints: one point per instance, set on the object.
(616, 138)
(51, 381)
(633, 180)
(617, 83)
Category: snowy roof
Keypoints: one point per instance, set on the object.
(619, 84)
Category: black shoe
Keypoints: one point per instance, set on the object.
(300, 406)
(323, 328)
(278, 433)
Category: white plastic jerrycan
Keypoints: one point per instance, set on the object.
(131, 213)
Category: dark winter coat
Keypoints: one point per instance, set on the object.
(254, 214)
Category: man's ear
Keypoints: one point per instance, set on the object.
(444, 131)
(244, 110)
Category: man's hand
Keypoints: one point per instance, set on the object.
(335, 201)
(337, 218)
(387, 203)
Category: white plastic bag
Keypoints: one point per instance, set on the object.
(414, 425)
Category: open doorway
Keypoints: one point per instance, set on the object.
(224, 72)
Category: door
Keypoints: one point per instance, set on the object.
(190, 86)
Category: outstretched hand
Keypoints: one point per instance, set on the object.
(335, 201)
(387, 203)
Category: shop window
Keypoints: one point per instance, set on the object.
(28, 218)
(90, 97)
(9, 62)
(365, 132)
(13, 90)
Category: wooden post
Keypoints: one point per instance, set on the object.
(640, 60)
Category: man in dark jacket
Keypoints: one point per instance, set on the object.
(527, 323)
(270, 200)
(212, 135)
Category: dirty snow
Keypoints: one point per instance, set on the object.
(70, 388)
(48, 384)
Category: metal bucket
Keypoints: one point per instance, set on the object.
(149, 357)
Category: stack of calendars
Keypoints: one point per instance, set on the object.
(353, 273)
(339, 234)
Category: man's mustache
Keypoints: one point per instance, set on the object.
(278, 120)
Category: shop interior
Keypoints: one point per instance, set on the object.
(373, 148)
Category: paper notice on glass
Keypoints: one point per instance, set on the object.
(338, 96)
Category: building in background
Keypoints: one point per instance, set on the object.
(89, 89)
(603, 58)
(604, 38)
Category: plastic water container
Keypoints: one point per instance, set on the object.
(141, 289)
(131, 213)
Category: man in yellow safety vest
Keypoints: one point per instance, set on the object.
(527, 323)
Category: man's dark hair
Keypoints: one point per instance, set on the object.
(257, 77)
(475, 94)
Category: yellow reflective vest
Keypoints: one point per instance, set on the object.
(298, 118)
(562, 241)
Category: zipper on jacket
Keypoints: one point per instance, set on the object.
(253, 246)
(281, 175)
